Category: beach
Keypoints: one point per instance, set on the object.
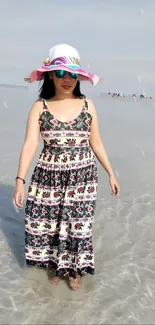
(123, 289)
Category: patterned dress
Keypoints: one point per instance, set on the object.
(61, 199)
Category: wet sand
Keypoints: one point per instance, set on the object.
(123, 289)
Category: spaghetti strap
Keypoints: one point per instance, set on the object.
(44, 104)
(85, 104)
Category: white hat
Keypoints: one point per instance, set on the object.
(63, 57)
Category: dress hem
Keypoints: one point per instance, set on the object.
(63, 272)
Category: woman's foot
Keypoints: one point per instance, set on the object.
(55, 279)
(75, 284)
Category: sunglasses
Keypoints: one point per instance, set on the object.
(61, 73)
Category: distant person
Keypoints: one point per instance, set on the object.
(61, 198)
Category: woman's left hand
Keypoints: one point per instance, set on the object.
(114, 185)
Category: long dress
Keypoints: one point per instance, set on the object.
(61, 198)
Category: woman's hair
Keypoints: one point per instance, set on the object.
(47, 90)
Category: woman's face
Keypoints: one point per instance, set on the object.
(64, 85)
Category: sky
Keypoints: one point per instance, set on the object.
(114, 37)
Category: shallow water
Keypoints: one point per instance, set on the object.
(123, 289)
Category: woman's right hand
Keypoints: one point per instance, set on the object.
(19, 194)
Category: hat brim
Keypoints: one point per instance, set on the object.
(38, 74)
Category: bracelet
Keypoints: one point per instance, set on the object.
(20, 179)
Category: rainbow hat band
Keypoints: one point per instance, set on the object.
(62, 57)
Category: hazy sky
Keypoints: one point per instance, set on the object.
(116, 37)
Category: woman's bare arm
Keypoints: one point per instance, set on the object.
(96, 142)
(31, 140)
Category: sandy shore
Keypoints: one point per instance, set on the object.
(123, 289)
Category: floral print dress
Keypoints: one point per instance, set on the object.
(61, 199)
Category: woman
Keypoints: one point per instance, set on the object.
(62, 194)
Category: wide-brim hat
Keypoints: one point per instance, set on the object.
(63, 57)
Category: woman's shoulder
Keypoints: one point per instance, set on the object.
(37, 107)
(88, 100)
(38, 102)
(90, 105)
